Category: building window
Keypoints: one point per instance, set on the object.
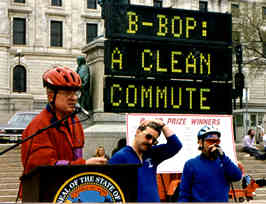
(19, 31)
(239, 120)
(92, 31)
(264, 12)
(235, 10)
(56, 2)
(158, 3)
(253, 120)
(56, 33)
(19, 79)
(203, 6)
(91, 4)
(19, 1)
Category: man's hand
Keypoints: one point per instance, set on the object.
(165, 129)
(157, 121)
(96, 160)
(216, 148)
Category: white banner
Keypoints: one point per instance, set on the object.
(186, 128)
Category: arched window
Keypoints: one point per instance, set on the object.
(19, 79)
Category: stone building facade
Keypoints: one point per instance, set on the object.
(26, 30)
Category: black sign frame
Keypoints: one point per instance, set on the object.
(167, 60)
(120, 95)
(180, 25)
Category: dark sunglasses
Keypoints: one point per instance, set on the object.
(154, 140)
(213, 141)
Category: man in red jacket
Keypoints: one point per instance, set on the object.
(62, 144)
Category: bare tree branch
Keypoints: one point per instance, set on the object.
(253, 37)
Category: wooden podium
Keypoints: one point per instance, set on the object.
(91, 183)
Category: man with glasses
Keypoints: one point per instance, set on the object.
(61, 144)
(144, 151)
(207, 177)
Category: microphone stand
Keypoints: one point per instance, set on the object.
(54, 124)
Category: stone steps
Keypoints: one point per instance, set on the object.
(8, 192)
(261, 190)
(8, 198)
(9, 185)
(10, 172)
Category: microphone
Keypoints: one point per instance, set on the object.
(79, 109)
(218, 152)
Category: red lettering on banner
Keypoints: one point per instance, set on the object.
(205, 121)
(176, 121)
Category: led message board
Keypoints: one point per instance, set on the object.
(150, 23)
(169, 96)
(146, 58)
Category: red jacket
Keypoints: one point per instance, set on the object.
(53, 144)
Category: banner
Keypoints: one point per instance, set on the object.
(186, 128)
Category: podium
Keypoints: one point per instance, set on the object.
(90, 183)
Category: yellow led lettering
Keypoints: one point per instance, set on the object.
(173, 97)
(204, 28)
(150, 24)
(146, 51)
(190, 90)
(146, 93)
(159, 69)
(205, 61)
(175, 61)
(115, 86)
(132, 22)
(118, 60)
(191, 63)
(202, 99)
(161, 94)
(190, 25)
(135, 95)
(163, 21)
(177, 20)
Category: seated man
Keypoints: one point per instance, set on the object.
(250, 147)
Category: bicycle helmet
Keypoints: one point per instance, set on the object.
(61, 78)
(204, 131)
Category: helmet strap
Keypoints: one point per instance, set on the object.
(54, 98)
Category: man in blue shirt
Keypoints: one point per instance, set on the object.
(207, 177)
(144, 151)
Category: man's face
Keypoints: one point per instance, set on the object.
(65, 101)
(146, 138)
(252, 132)
(209, 142)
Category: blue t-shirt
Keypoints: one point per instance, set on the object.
(205, 180)
(147, 183)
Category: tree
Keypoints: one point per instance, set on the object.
(253, 35)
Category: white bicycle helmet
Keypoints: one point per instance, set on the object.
(204, 131)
